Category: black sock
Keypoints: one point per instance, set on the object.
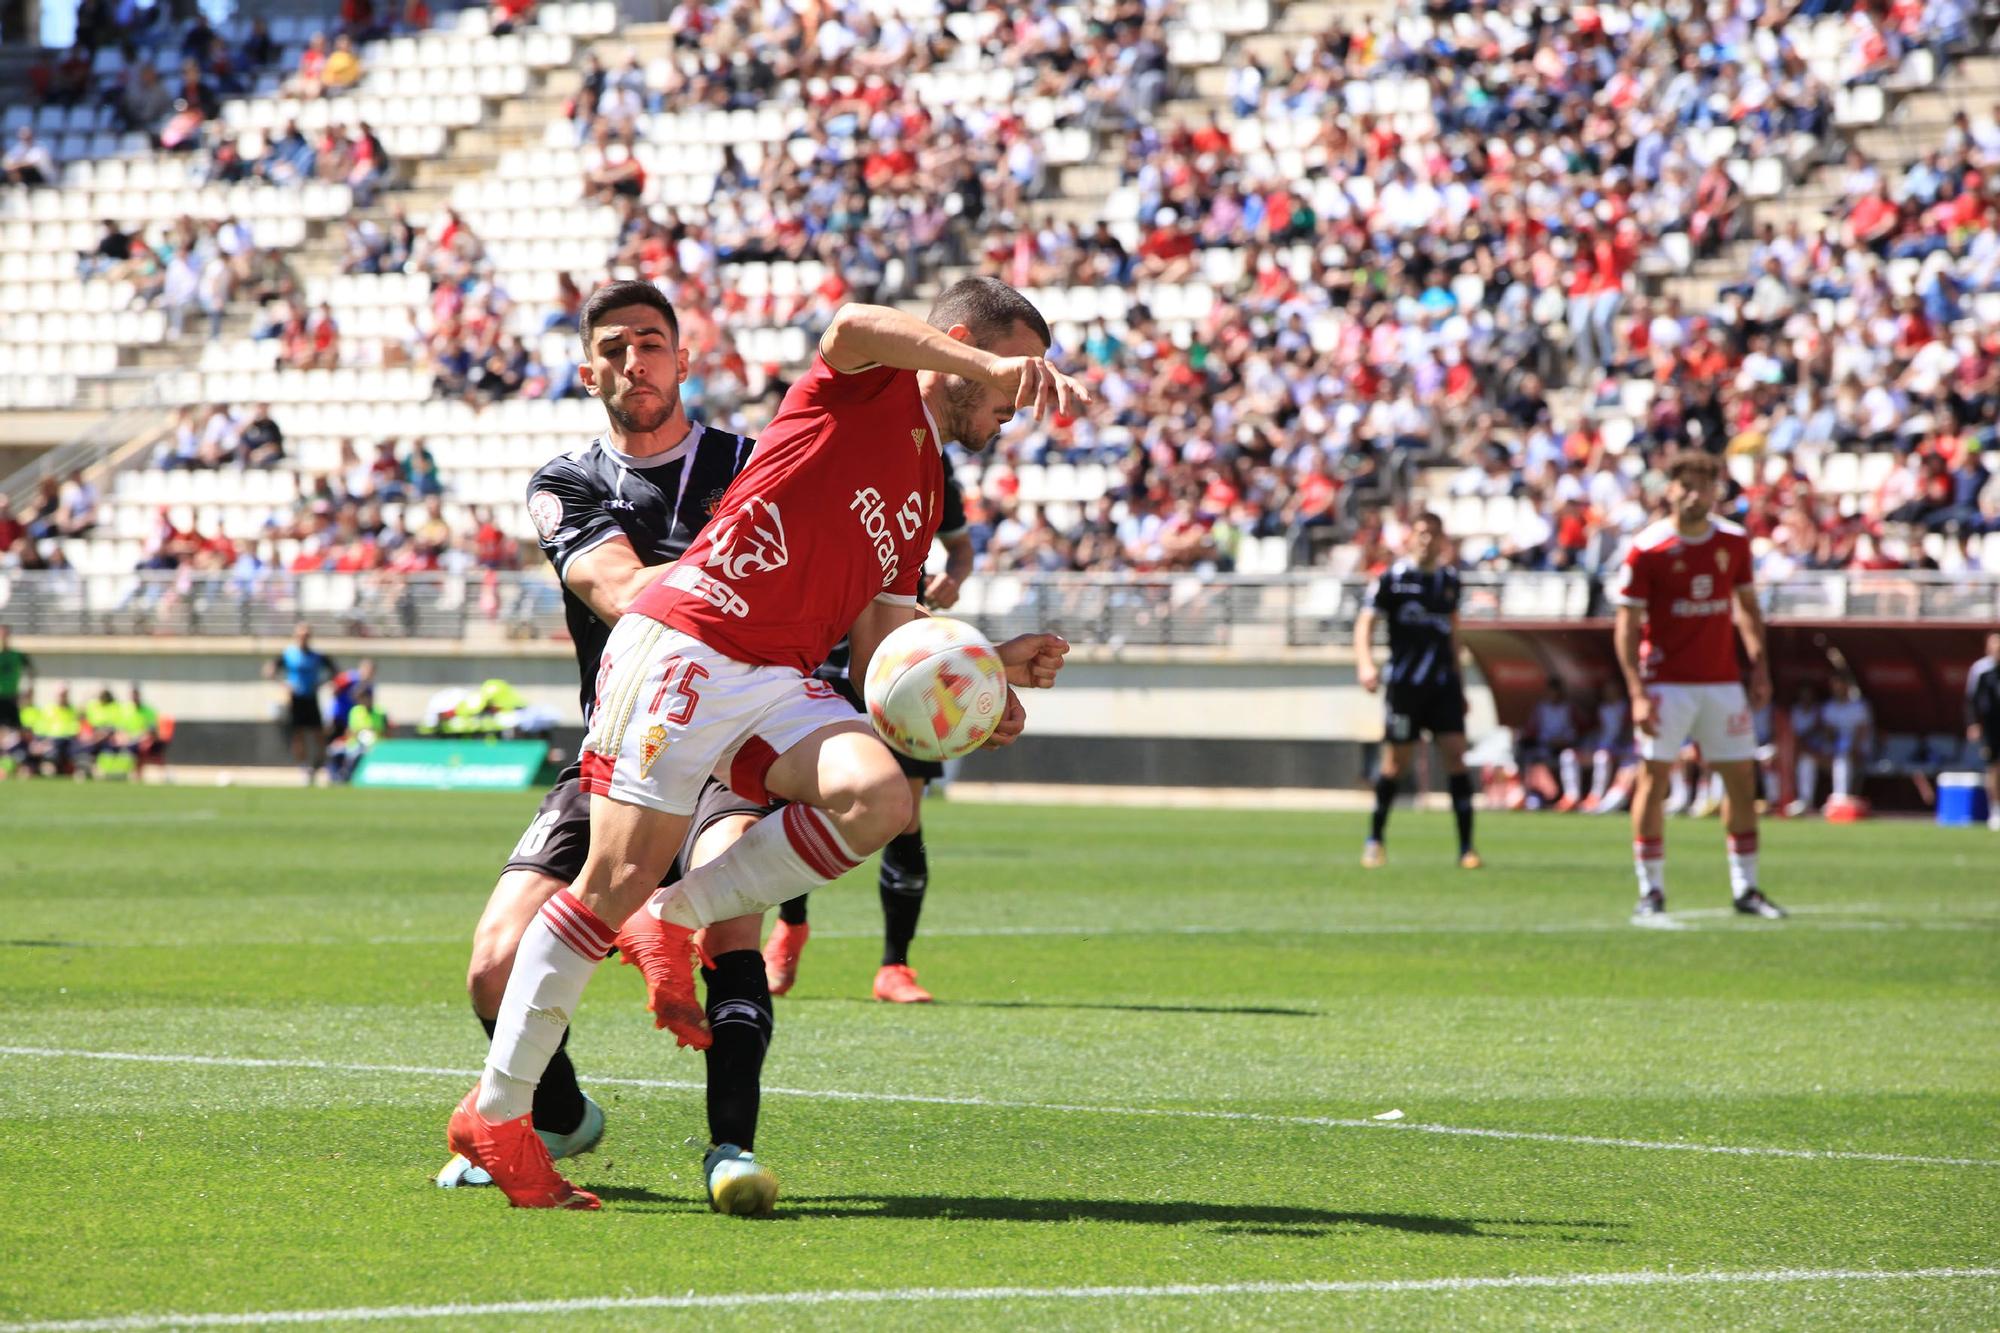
(1385, 796)
(1461, 809)
(558, 1099)
(793, 912)
(906, 873)
(739, 1014)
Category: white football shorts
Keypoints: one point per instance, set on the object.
(671, 711)
(1714, 717)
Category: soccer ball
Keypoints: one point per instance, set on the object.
(935, 689)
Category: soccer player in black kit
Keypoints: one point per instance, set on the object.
(1418, 596)
(906, 872)
(610, 516)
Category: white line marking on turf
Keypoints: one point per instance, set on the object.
(1002, 1104)
(932, 1295)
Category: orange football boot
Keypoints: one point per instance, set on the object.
(515, 1156)
(664, 953)
(897, 984)
(781, 954)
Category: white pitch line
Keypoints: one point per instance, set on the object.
(1063, 1108)
(934, 1295)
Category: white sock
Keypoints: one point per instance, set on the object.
(1600, 774)
(1649, 859)
(1742, 863)
(1571, 776)
(1843, 775)
(786, 853)
(1715, 789)
(1769, 773)
(559, 950)
(1808, 776)
(1677, 789)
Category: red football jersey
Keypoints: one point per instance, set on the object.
(836, 508)
(1687, 588)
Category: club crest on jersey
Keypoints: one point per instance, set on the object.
(1722, 559)
(650, 746)
(917, 438)
(749, 541)
(546, 510)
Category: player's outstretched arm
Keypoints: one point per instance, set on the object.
(1032, 660)
(608, 576)
(861, 336)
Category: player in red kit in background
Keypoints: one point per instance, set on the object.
(709, 670)
(1683, 593)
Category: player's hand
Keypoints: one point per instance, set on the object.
(1032, 660)
(1039, 387)
(1972, 732)
(1760, 686)
(1645, 719)
(941, 593)
(1013, 721)
(1369, 678)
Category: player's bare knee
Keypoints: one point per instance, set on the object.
(880, 809)
(737, 933)
(486, 976)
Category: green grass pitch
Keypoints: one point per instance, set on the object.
(1161, 1044)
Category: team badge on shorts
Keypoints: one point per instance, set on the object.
(546, 510)
(654, 741)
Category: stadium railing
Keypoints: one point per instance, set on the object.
(1119, 610)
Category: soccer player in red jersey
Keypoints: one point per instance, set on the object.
(709, 670)
(1684, 593)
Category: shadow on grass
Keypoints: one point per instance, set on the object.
(1224, 1219)
(1227, 1010)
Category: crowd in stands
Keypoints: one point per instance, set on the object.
(380, 510)
(1461, 286)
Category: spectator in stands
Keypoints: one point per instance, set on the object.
(288, 158)
(341, 69)
(259, 50)
(511, 14)
(13, 532)
(114, 248)
(309, 80)
(27, 161)
(144, 101)
(76, 508)
(611, 166)
(260, 444)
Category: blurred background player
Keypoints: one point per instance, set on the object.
(17, 672)
(1684, 592)
(611, 516)
(349, 687)
(1545, 751)
(1982, 721)
(1612, 768)
(906, 872)
(1850, 724)
(1418, 595)
(1811, 745)
(305, 669)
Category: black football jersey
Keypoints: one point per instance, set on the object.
(1419, 608)
(593, 494)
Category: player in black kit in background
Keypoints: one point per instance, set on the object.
(905, 875)
(611, 516)
(1418, 596)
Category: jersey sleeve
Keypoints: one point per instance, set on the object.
(1742, 572)
(1632, 584)
(1377, 596)
(1450, 591)
(569, 516)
